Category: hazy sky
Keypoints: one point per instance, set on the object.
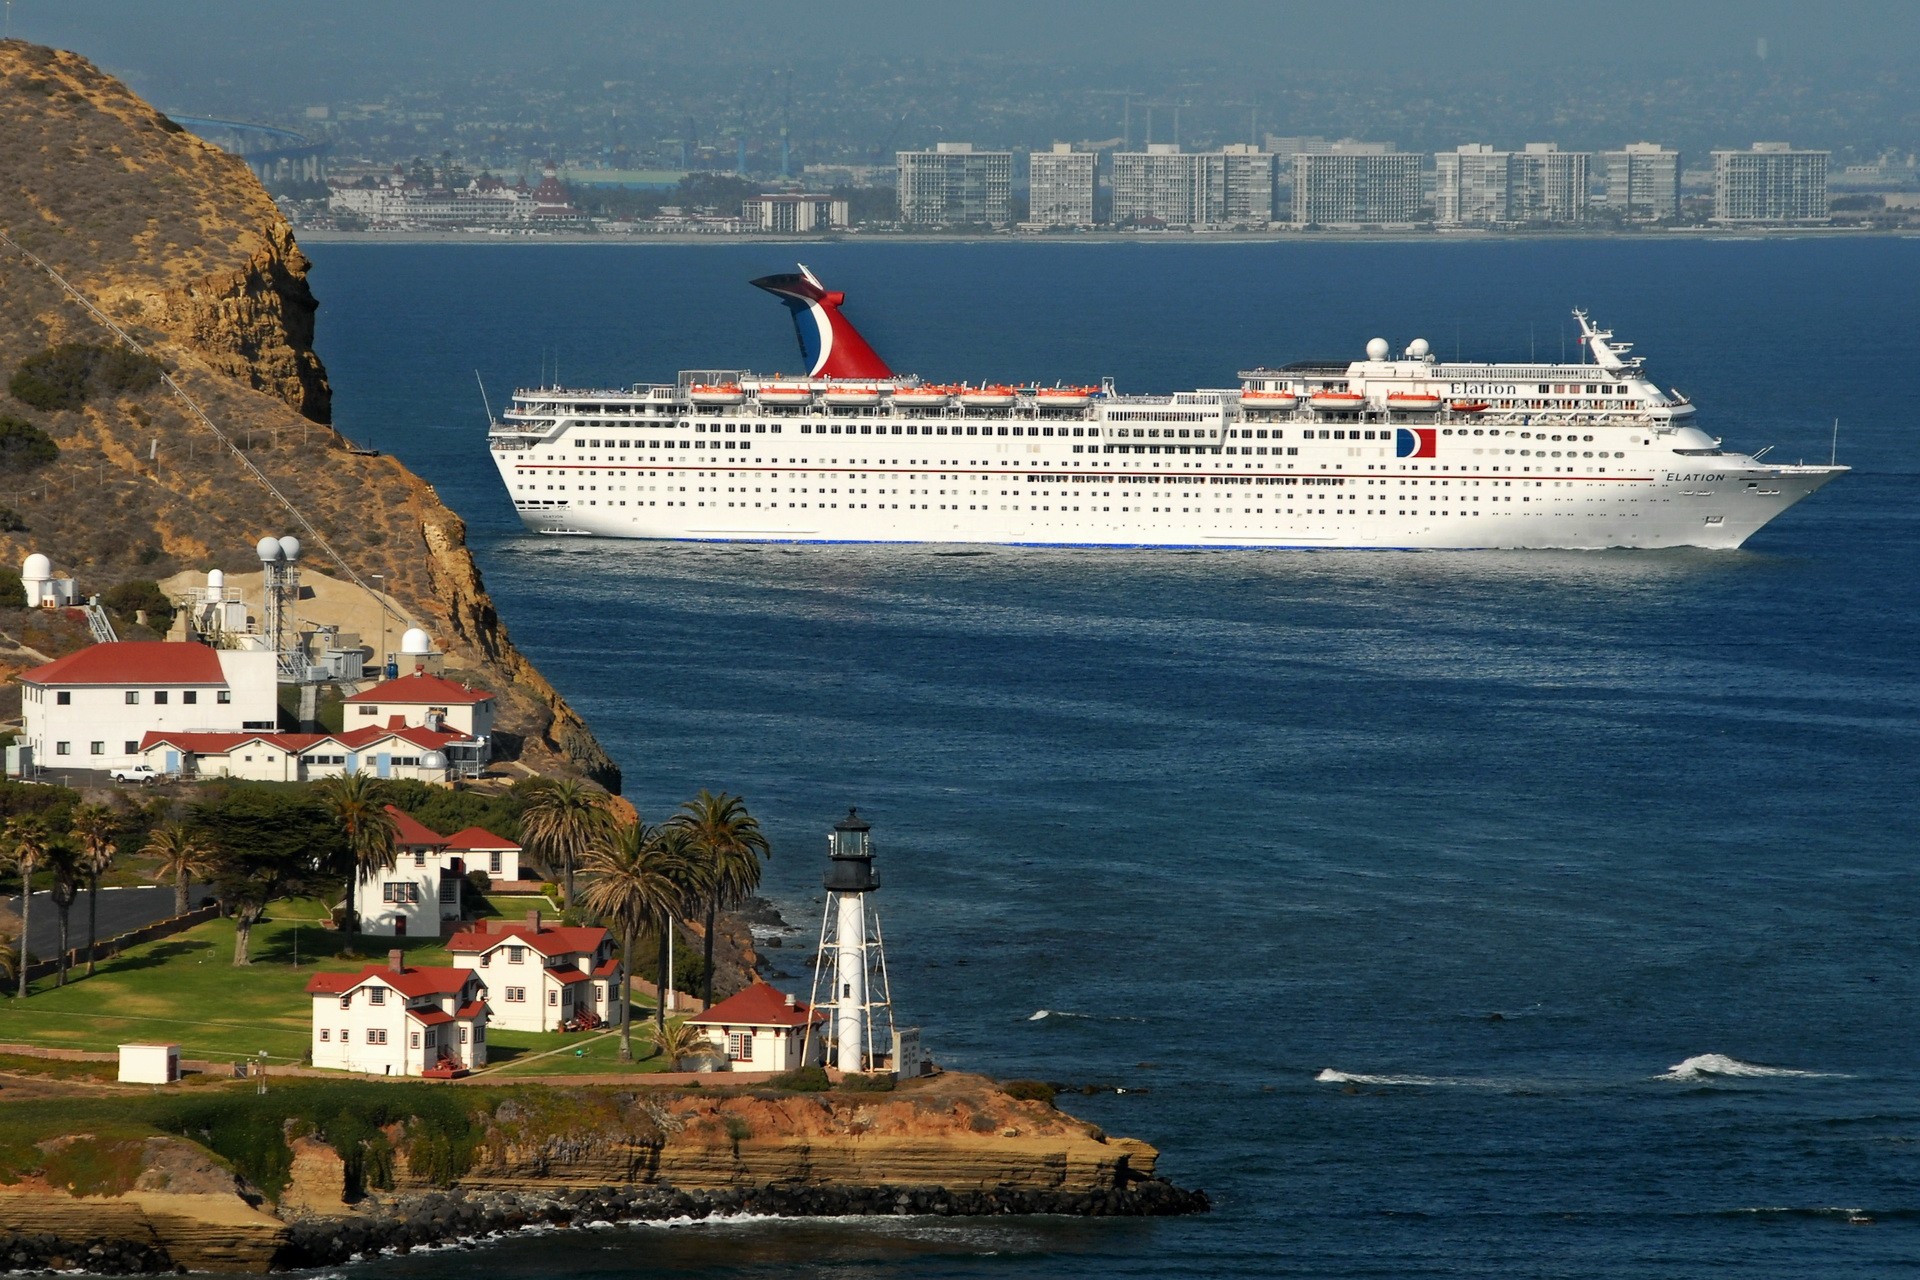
(168, 38)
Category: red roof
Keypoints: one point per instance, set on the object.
(133, 662)
(760, 1005)
(549, 940)
(408, 830)
(408, 982)
(479, 840)
(430, 1017)
(423, 689)
(473, 1010)
(218, 744)
(428, 739)
(567, 977)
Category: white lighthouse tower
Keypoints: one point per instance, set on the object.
(852, 963)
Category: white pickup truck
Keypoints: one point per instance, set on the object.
(134, 773)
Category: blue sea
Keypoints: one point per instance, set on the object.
(1442, 915)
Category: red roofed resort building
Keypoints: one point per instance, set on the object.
(426, 701)
(543, 976)
(764, 1029)
(398, 1021)
(93, 708)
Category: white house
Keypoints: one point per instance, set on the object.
(763, 1029)
(543, 976)
(424, 886)
(425, 700)
(484, 851)
(91, 709)
(419, 754)
(397, 1021)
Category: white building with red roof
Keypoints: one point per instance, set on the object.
(399, 1021)
(543, 976)
(419, 754)
(93, 708)
(484, 851)
(764, 1029)
(423, 700)
(422, 892)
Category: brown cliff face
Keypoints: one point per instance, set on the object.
(182, 247)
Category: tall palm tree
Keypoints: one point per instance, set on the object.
(64, 859)
(96, 828)
(358, 802)
(563, 819)
(634, 882)
(728, 840)
(182, 856)
(26, 842)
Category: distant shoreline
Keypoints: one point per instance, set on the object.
(316, 236)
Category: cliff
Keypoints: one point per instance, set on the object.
(177, 243)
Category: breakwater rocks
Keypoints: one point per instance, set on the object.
(415, 1221)
(100, 1255)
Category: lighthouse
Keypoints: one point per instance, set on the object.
(852, 963)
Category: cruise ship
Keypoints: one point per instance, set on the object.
(1389, 451)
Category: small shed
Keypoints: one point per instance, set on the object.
(149, 1063)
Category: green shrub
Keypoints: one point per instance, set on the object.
(738, 1129)
(12, 594)
(125, 599)
(1029, 1091)
(23, 447)
(11, 521)
(803, 1080)
(64, 377)
(878, 1082)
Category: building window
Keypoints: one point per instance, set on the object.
(132, 746)
(493, 864)
(190, 697)
(326, 1034)
(345, 1035)
(346, 1001)
(516, 995)
(223, 697)
(413, 1041)
(63, 699)
(399, 891)
(378, 995)
(419, 857)
(516, 955)
(369, 711)
(133, 697)
(159, 697)
(63, 748)
(96, 748)
(486, 959)
(447, 890)
(463, 1035)
(553, 998)
(479, 1034)
(599, 993)
(377, 1036)
(740, 1046)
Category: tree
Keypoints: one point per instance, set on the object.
(681, 862)
(63, 858)
(265, 844)
(728, 841)
(357, 802)
(97, 830)
(676, 1040)
(635, 883)
(182, 856)
(564, 818)
(26, 844)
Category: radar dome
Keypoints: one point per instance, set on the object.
(216, 579)
(1418, 349)
(1377, 349)
(37, 566)
(268, 549)
(416, 642)
(290, 547)
(434, 760)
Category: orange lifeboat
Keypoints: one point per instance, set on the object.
(1412, 402)
(1064, 397)
(1337, 401)
(924, 396)
(851, 397)
(721, 393)
(1469, 406)
(784, 393)
(1270, 400)
(990, 396)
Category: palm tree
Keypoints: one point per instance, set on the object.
(64, 858)
(563, 819)
(182, 856)
(635, 883)
(676, 1040)
(358, 802)
(26, 845)
(95, 827)
(730, 844)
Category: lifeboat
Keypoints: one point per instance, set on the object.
(1337, 401)
(723, 393)
(851, 397)
(995, 396)
(1412, 402)
(1469, 406)
(1064, 397)
(783, 393)
(926, 396)
(1280, 400)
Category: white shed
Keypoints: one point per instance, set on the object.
(149, 1063)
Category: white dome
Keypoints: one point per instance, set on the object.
(268, 549)
(37, 567)
(290, 547)
(1377, 349)
(216, 579)
(1418, 348)
(434, 760)
(415, 642)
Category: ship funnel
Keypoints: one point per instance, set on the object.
(832, 347)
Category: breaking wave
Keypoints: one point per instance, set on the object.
(1330, 1076)
(1714, 1066)
(1042, 1015)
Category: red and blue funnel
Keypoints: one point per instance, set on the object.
(829, 342)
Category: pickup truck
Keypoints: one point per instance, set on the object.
(134, 773)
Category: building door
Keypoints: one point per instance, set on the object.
(399, 925)
(383, 764)
(173, 762)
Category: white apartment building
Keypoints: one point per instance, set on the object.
(420, 699)
(955, 185)
(764, 1029)
(1470, 185)
(543, 976)
(1770, 183)
(1346, 188)
(418, 754)
(1643, 181)
(1060, 186)
(1546, 184)
(394, 1020)
(1229, 187)
(794, 212)
(92, 709)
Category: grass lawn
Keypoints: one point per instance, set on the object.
(529, 1053)
(185, 989)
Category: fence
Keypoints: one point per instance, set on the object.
(132, 938)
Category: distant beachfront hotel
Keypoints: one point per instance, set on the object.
(1361, 184)
(1229, 187)
(1770, 183)
(793, 212)
(1060, 187)
(1476, 184)
(955, 185)
(1643, 181)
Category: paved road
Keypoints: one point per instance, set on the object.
(120, 910)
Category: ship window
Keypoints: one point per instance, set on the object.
(1003, 431)
(973, 431)
(729, 428)
(896, 428)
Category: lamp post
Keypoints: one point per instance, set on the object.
(380, 589)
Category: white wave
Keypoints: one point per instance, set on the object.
(1709, 1066)
(1330, 1076)
(1041, 1015)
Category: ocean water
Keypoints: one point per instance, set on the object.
(1442, 914)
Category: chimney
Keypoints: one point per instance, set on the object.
(397, 961)
(533, 920)
(791, 1002)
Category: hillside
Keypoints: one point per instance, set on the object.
(178, 243)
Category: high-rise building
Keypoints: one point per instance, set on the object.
(1249, 180)
(1060, 187)
(1346, 188)
(1770, 183)
(1163, 184)
(1470, 185)
(1546, 184)
(792, 212)
(1643, 181)
(954, 184)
